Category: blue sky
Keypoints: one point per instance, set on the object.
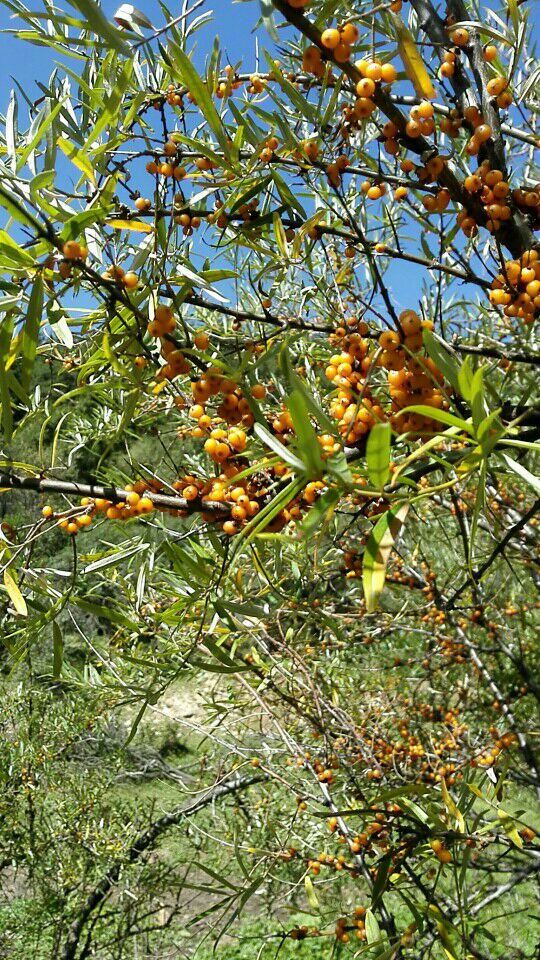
(233, 22)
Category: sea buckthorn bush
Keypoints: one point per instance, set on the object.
(270, 421)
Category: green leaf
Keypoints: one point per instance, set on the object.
(378, 454)
(465, 379)
(443, 356)
(12, 254)
(509, 826)
(114, 558)
(489, 432)
(78, 158)
(267, 12)
(281, 239)
(32, 325)
(286, 195)
(373, 932)
(306, 109)
(103, 612)
(442, 416)
(378, 550)
(306, 435)
(381, 879)
(477, 401)
(58, 650)
(514, 14)
(112, 102)
(452, 808)
(14, 593)
(99, 24)
(49, 117)
(6, 330)
(310, 893)
(282, 451)
(12, 129)
(183, 67)
(522, 472)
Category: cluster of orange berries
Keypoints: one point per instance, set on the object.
(188, 221)
(223, 444)
(309, 149)
(134, 505)
(242, 496)
(168, 167)
(420, 122)
(334, 170)
(118, 275)
(492, 190)
(355, 923)
(234, 409)
(356, 412)
(162, 327)
(73, 252)
(442, 852)
(452, 649)
(501, 742)
(245, 212)
(412, 380)
(174, 99)
(257, 83)
(340, 41)
(312, 61)
(268, 149)
(373, 74)
(517, 287)
(528, 201)
(225, 87)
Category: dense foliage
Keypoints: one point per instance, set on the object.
(268, 344)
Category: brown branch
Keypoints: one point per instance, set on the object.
(115, 494)
(516, 234)
(511, 356)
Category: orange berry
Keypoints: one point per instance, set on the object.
(349, 33)
(388, 73)
(460, 37)
(201, 340)
(330, 38)
(71, 250)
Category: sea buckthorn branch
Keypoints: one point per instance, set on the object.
(146, 840)
(385, 250)
(477, 575)
(111, 493)
(267, 317)
(434, 27)
(383, 100)
(387, 920)
(525, 748)
(313, 81)
(510, 131)
(512, 356)
(473, 51)
(515, 233)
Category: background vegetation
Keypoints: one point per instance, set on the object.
(269, 493)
